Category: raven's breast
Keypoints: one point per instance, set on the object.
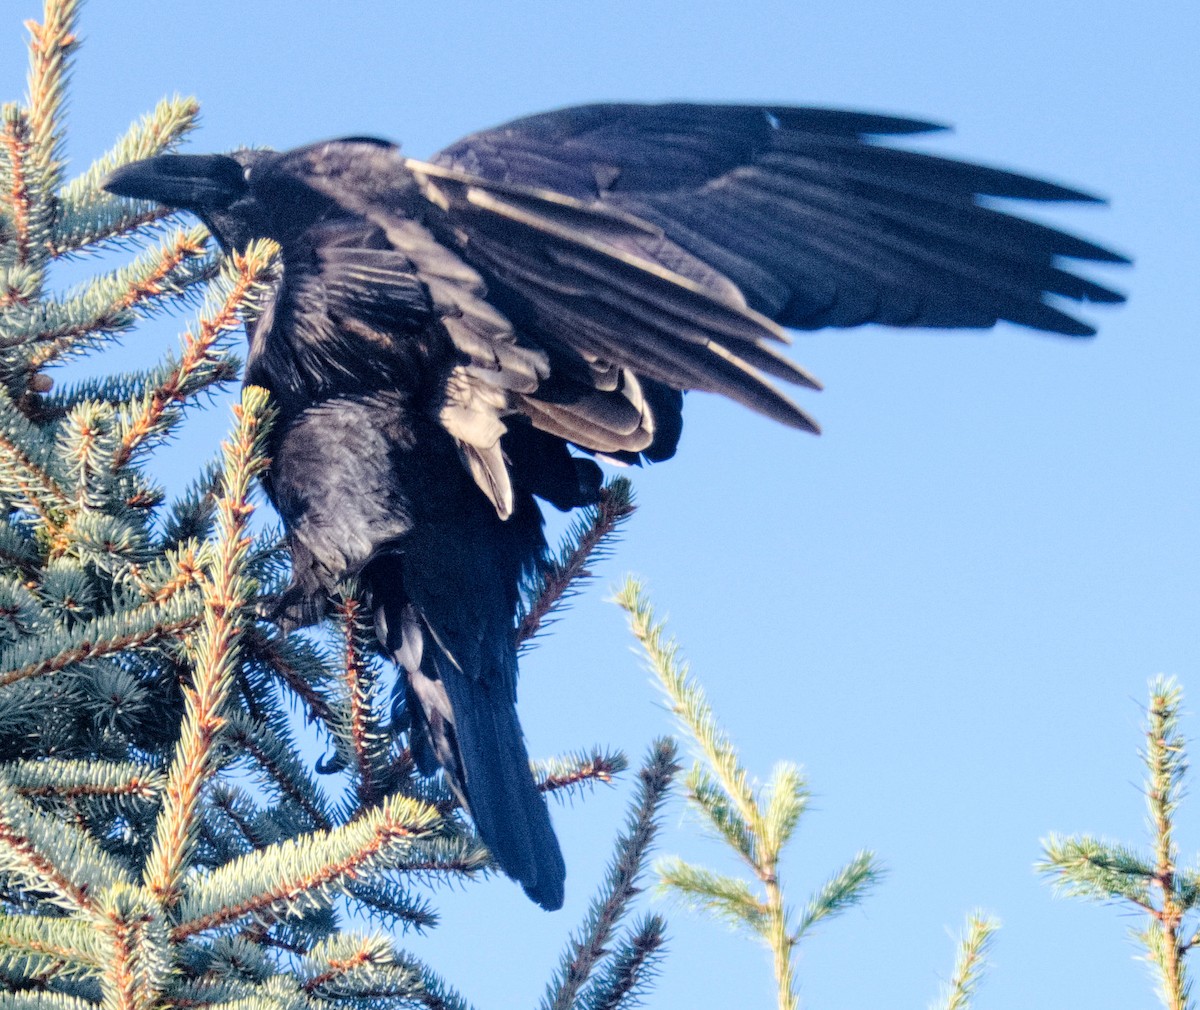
(335, 479)
(354, 476)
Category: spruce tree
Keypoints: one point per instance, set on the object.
(162, 839)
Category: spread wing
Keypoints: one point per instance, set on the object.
(624, 317)
(816, 224)
(591, 263)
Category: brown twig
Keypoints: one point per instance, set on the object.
(287, 890)
(197, 351)
(226, 610)
(610, 510)
(104, 647)
(16, 140)
(599, 769)
(52, 343)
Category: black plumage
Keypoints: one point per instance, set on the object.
(444, 332)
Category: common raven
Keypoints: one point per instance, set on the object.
(451, 339)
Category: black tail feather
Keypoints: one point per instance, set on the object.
(467, 721)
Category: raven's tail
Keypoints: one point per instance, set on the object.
(465, 720)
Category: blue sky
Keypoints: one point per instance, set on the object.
(948, 606)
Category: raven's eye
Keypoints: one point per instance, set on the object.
(246, 173)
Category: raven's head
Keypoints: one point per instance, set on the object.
(214, 187)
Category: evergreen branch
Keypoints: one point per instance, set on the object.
(74, 780)
(721, 896)
(22, 614)
(240, 811)
(16, 138)
(1166, 766)
(280, 656)
(191, 515)
(199, 366)
(588, 945)
(138, 967)
(51, 855)
(783, 802)
(1087, 867)
(144, 626)
(1187, 890)
(367, 739)
(282, 765)
(438, 857)
(19, 285)
(107, 305)
(1164, 952)
(49, 946)
(971, 962)
(712, 801)
(567, 773)
(291, 874)
(843, 890)
(207, 995)
(176, 570)
(50, 47)
(621, 982)
(67, 594)
(690, 706)
(227, 598)
(33, 139)
(365, 971)
(43, 1001)
(1083, 866)
(114, 541)
(435, 994)
(588, 540)
(86, 439)
(23, 473)
(755, 826)
(392, 903)
(332, 965)
(20, 552)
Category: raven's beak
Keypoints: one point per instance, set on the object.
(193, 181)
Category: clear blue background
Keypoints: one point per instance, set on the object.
(948, 606)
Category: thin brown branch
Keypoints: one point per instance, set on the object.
(104, 647)
(226, 612)
(265, 650)
(358, 687)
(610, 510)
(53, 343)
(597, 770)
(16, 138)
(289, 890)
(197, 352)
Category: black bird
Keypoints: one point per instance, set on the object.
(445, 333)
